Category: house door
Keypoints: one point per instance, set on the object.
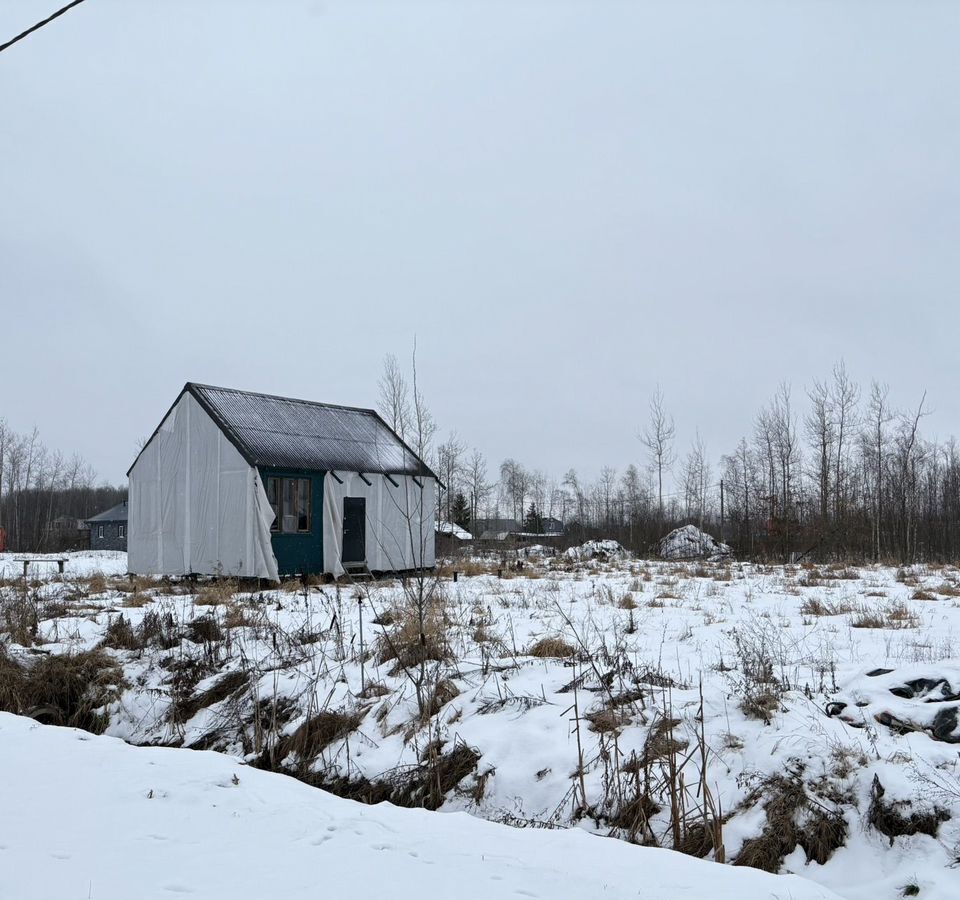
(354, 529)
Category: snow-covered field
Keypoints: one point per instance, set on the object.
(78, 563)
(91, 817)
(800, 719)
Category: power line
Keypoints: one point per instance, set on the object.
(40, 25)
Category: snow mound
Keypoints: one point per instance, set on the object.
(912, 699)
(534, 551)
(689, 542)
(602, 550)
(90, 816)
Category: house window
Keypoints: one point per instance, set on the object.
(121, 531)
(290, 500)
(100, 531)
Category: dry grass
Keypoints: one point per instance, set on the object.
(793, 819)
(895, 819)
(890, 615)
(237, 616)
(476, 567)
(416, 637)
(19, 616)
(607, 719)
(218, 592)
(65, 689)
(551, 648)
(309, 740)
(443, 692)
(230, 684)
(814, 606)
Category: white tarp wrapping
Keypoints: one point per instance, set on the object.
(196, 506)
(399, 526)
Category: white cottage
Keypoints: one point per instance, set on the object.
(244, 484)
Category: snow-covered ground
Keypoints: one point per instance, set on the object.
(91, 817)
(813, 707)
(78, 563)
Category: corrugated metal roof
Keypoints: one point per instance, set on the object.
(116, 513)
(300, 434)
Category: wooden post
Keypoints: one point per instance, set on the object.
(455, 574)
(363, 686)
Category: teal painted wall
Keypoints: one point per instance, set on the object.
(300, 554)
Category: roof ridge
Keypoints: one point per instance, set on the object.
(228, 390)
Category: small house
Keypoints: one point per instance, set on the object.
(108, 530)
(245, 484)
(495, 529)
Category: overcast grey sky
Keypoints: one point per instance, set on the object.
(565, 202)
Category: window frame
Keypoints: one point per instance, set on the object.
(277, 487)
(99, 532)
(121, 531)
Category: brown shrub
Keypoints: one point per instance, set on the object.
(220, 690)
(204, 630)
(218, 592)
(120, 635)
(63, 689)
(814, 606)
(443, 692)
(415, 638)
(316, 733)
(551, 648)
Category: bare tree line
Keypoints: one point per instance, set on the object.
(836, 472)
(38, 486)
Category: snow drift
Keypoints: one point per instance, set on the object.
(603, 550)
(89, 816)
(689, 542)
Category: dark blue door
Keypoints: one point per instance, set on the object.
(354, 529)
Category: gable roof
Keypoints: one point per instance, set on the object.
(116, 513)
(301, 434)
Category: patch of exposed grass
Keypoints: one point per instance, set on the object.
(417, 636)
(218, 592)
(62, 689)
(551, 648)
(889, 615)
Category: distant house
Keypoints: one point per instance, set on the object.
(244, 484)
(67, 533)
(454, 530)
(495, 529)
(108, 530)
(549, 525)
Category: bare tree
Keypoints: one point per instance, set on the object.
(819, 427)
(477, 485)
(845, 397)
(658, 439)
(394, 396)
(880, 417)
(449, 466)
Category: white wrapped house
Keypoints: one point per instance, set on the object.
(251, 485)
